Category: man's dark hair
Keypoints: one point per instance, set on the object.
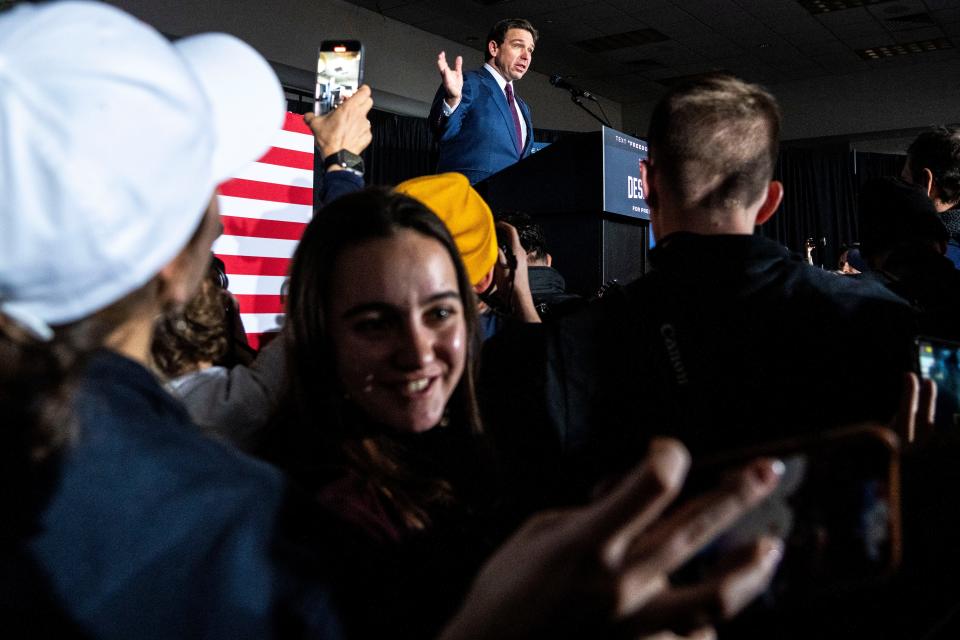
(498, 33)
(939, 151)
(530, 232)
(715, 140)
(893, 215)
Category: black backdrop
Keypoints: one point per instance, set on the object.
(820, 196)
(821, 183)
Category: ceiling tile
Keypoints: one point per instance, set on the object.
(661, 16)
(568, 32)
(714, 47)
(418, 12)
(847, 16)
(784, 10)
(637, 6)
(946, 15)
(808, 36)
(860, 29)
(531, 8)
(621, 24)
(886, 10)
(822, 48)
(914, 35)
(841, 62)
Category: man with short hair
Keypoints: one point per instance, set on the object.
(547, 285)
(933, 163)
(477, 119)
(730, 339)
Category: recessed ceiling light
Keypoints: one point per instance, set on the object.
(826, 6)
(904, 48)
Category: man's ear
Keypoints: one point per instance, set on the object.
(926, 181)
(492, 48)
(646, 182)
(484, 284)
(771, 202)
(173, 289)
(549, 260)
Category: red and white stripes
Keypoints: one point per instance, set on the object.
(264, 210)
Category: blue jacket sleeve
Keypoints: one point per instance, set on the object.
(334, 184)
(442, 127)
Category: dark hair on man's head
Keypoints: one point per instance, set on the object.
(498, 33)
(715, 141)
(316, 407)
(895, 215)
(939, 151)
(530, 232)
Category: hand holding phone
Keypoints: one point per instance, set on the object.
(939, 361)
(345, 128)
(837, 508)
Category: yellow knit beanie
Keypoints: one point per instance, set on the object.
(467, 216)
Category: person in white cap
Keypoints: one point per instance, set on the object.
(112, 144)
(121, 519)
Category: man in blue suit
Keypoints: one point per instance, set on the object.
(478, 121)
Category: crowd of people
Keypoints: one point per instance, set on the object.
(442, 442)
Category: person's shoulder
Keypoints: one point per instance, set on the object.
(131, 426)
(478, 76)
(859, 299)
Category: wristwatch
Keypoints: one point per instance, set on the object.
(345, 159)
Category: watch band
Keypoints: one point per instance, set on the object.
(346, 160)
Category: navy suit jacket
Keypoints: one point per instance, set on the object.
(479, 138)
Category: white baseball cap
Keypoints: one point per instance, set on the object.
(112, 141)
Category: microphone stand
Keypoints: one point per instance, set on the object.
(577, 100)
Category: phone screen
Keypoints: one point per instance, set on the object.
(939, 361)
(837, 509)
(339, 73)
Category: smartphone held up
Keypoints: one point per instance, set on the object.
(339, 73)
(837, 509)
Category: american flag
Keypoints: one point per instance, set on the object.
(264, 210)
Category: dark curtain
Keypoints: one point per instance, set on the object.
(821, 189)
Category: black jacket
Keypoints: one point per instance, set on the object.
(728, 340)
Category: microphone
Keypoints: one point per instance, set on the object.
(561, 83)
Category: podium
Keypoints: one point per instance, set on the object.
(585, 192)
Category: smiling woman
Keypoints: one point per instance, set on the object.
(380, 423)
(398, 332)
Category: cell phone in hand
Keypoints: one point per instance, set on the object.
(339, 73)
(505, 243)
(836, 507)
(939, 360)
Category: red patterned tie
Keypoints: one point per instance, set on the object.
(516, 118)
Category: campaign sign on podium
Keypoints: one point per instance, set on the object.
(584, 189)
(622, 190)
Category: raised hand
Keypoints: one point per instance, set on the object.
(346, 127)
(452, 78)
(608, 564)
